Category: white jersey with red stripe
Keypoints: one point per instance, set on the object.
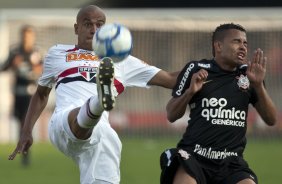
(72, 71)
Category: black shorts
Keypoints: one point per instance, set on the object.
(229, 171)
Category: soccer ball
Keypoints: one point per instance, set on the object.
(112, 40)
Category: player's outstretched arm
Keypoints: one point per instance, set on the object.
(164, 79)
(37, 103)
(256, 74)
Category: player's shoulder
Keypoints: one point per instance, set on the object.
(14, 47)
(62, 48)
(15, 50)
(196, 64)
(207, 64)
(130, 60)
(204, 63)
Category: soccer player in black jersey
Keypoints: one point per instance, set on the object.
(218, 93)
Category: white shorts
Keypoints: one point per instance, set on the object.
(98, 157)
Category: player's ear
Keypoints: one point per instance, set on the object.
(217, 46)
(75, 28)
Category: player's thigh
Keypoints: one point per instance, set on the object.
(246, 181)
(238, 172)
(181, 177)
(171, 159)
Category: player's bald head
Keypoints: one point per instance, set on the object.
(89, 9)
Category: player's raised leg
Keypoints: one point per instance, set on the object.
(105, 80)
(82, 120)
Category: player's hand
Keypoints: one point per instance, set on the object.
(257, 68)
(24, 144)
(197, 81)
(18, 60)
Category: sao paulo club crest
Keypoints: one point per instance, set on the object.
(87, 72)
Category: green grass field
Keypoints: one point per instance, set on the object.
(140, 163)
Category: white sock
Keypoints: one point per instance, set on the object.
(89, 113)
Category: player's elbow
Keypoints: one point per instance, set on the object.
(171, 120)
(268, 113)
(171, 117)
(271, 121)
(271, 118)
(174, 111)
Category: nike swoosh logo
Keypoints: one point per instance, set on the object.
(207, 81)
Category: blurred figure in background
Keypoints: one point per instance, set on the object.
(25, 62)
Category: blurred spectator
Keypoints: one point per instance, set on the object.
(25, 62)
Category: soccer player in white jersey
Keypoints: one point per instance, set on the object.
(79, 126)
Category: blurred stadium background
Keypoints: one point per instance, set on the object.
(166, 38)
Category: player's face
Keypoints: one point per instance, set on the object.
(86, 27)
(234, 48)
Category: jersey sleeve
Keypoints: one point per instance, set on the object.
(183, 79)
(47, 78)
(138, 73)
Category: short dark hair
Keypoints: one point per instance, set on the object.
(219, 33)
(26, 28)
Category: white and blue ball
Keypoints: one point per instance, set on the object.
(114, 41)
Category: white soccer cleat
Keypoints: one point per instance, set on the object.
(104, 81)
